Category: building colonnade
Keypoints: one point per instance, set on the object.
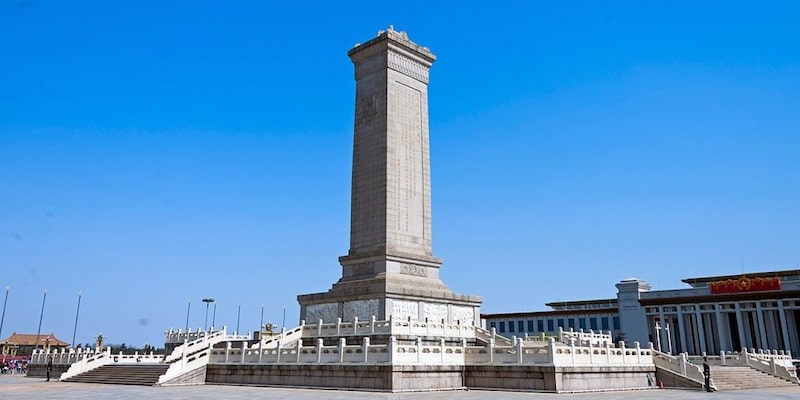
(697, 328)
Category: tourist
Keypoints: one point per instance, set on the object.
(49, 367)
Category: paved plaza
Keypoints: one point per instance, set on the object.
(36, 388)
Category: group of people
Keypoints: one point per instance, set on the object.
(14, 367)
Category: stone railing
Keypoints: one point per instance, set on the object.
(541, 337)
(518, 353)
(279, 339)
(339, 328)
(82, 360)
(188, 362)
(491, 335)
(681, 366)
(90, 360)
(423, 328)
(63, 356)
(419, 354)
(319, 354)
(200, 342)
(387, 327)
(776, 363)
(179, 336)
(573, 354)
(194, 354)
(391, 327)
(584, 338)
(422, 353)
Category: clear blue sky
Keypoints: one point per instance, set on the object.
(153, 153)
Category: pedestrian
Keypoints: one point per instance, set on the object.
(49, 367)
(707, 374)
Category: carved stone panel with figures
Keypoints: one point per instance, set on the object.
(462, 315)
(361, 309)
(405, 309)
(327, 312)
(435, 312)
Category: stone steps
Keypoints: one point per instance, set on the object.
(735, 378)
(123, 374)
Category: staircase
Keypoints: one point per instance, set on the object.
(123, 374)
(740, 377)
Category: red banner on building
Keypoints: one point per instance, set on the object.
(745, 284)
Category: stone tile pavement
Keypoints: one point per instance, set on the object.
(36, 388)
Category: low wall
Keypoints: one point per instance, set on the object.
(401, 378)
(558, 379)
(526, 378)
(672, 380)
(389, 378)
(40, 370)
(579, 379)
(195, 377)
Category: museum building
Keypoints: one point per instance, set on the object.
(717, 313)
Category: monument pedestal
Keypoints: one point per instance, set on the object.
(390, 287)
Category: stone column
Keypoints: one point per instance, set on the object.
(762, 334)
(787, 344)
(721, 328)
(743, 342)
(701, 332)
(681, 331)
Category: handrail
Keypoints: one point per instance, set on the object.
(282, 338)
(88, 363)
(192, 355)
(492, 335)
(680, 366)
(769, 363)
(189, 347)
(191, 362)
(775, 363)
(584, 338)
(85, 360)
(521, 353)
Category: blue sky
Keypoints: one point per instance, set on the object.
(154, 154)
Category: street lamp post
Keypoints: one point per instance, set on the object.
(188, 308)
(238, 315)
(3, 318)
(41, 315)
(208, 301)
(77, 311)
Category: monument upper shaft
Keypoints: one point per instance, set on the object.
(391, 201)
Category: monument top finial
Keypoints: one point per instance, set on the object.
(397, 38)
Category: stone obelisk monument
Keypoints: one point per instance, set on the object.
(390, 270)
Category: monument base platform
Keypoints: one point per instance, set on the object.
(388, 378)
(406, 378)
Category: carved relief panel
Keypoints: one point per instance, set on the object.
(405, 309)
(464, 315)
(361, 309)
(327, 312)
(435, 312)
